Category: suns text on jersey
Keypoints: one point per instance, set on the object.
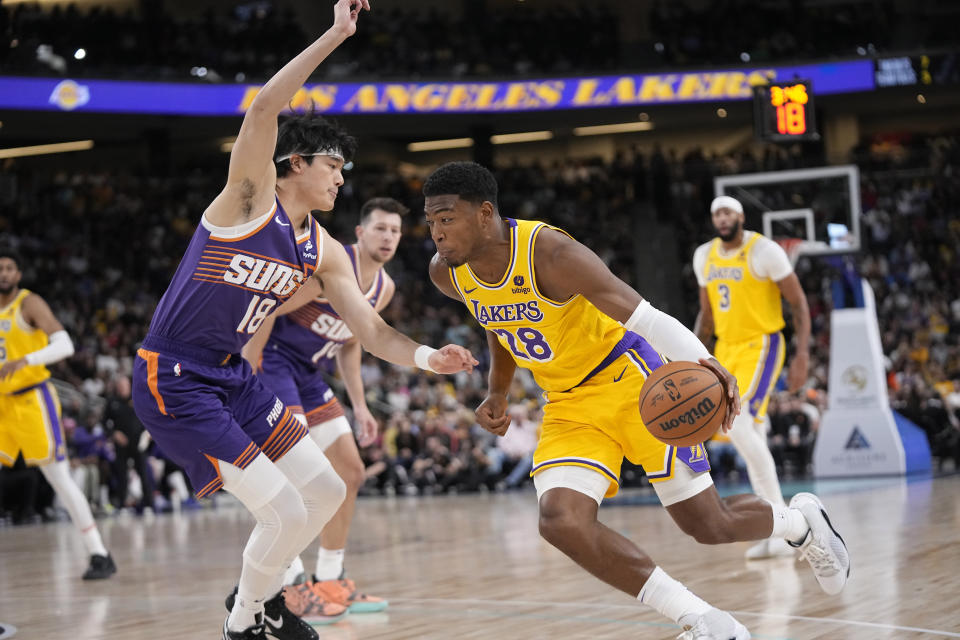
(331, 327)
(263, 275)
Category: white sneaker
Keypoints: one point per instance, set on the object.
(770, 548)
(713, 625)
(822, 547)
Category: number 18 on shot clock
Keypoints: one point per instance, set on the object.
(783, 112)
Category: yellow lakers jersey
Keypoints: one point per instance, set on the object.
(559, 342)
(744, 305)
(17, 339)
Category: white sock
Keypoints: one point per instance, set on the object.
(670, 598)
(788, 523)
(329, 564)
(293, 571)
(92, 541)
(58, 475)
(246, 612)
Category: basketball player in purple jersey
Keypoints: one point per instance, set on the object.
(296, 347)
(197, 396)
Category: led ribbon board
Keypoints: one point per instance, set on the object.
(188, 99)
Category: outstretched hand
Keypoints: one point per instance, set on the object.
(729, 387)
(452, 359)
(345, 14)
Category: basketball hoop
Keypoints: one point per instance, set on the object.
(794, 248)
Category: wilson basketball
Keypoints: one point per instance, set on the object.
(682, 403)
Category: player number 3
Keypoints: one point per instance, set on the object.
(532, 344)
(724, 291)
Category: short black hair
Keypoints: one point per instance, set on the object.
(309, 133)
(10, 252)
(469, 180)
(385, 204)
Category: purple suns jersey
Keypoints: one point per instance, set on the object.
(314, 333)
(230, 279)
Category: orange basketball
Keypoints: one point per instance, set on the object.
(682, 403)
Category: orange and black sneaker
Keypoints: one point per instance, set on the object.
(344, 591)
(311, 607)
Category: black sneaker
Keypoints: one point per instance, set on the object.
(101, 568)
(256, 632)
(280, 622)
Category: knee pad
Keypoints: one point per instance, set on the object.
(326, 433)
(304, 462)
(256, 485)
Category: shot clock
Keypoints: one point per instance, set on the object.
(783, 112)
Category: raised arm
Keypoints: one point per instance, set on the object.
(800, 312)
(566, 268)
(341, 290)
(252, 175)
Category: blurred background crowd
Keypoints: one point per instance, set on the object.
(251, 40)
(116, 238)
(101, 242)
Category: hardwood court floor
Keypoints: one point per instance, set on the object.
(474, 567)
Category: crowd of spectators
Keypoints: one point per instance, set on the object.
(100, 247)
(250, 41)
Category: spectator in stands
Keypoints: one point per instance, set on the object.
(127, 435)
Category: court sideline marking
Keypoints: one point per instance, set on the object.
(837, 621)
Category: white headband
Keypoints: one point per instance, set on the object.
(725, 202)
(333, 152)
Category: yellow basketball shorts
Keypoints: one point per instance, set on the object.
(597, 423)
(30, 423)
(756, 364)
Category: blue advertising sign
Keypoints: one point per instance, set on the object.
(111, 96)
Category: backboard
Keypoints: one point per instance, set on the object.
(820, 207)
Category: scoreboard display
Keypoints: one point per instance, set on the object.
(783, 112)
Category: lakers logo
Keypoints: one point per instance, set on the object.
(68, 95)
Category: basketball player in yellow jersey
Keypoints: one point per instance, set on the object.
(30, 338)
(549, 304)
(742, 275)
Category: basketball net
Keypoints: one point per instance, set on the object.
(793, 246)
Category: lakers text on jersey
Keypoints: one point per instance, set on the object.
(591, 368)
